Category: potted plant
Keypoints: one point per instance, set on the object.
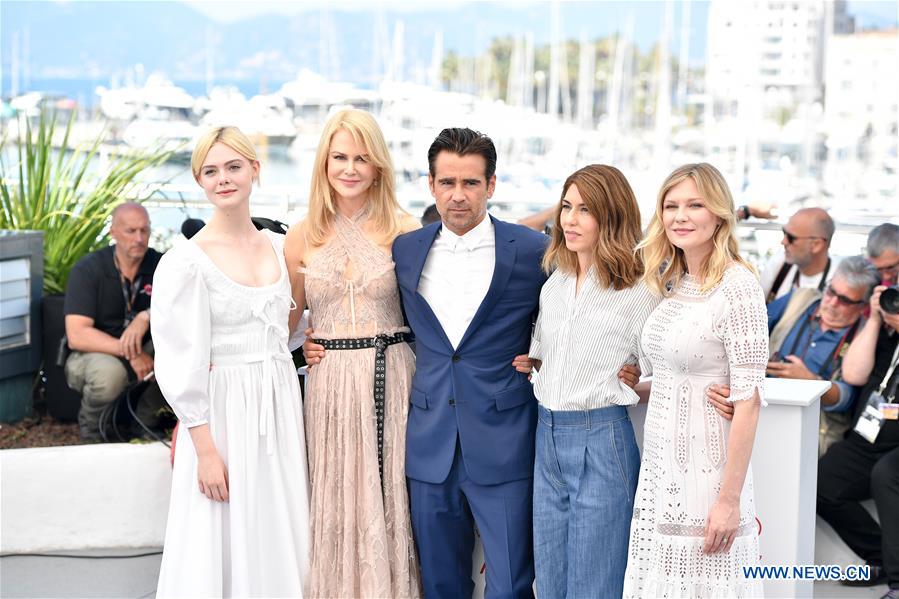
(52, 189)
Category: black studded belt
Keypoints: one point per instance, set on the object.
(380, 343)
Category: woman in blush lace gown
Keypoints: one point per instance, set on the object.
(693, 528)
(357, 397)
(238, 519)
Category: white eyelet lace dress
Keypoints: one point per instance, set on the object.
(690, 341)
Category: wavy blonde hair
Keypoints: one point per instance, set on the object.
(384, 210)
(232, 137)
(664, 263)
(611, 202)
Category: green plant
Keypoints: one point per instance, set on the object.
(54, 192)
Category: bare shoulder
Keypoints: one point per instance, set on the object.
(409, 223)
(295, 240)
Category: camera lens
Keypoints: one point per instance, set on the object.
(889, 300)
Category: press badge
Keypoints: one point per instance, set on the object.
(871, 420)
(890, 411)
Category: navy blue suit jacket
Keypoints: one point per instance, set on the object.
(473, 392)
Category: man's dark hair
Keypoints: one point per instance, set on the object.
(463, 141)
(430, 215)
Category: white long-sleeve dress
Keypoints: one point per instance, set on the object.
(694, 339)
(222, 359)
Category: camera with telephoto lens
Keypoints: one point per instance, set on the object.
(889, 300)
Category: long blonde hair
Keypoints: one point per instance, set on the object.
(384, 210)
(611, 202)
(664, 263)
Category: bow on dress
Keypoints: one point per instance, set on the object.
(268, 357)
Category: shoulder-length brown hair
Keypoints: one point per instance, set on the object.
(610, 200)
(665, 262)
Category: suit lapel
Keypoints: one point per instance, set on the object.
(502, 270)
(423, 248)
(425, 241)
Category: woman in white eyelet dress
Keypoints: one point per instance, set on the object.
(694, 525)
(238, 523)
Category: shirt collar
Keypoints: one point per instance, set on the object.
(146, 267)
(471, 239)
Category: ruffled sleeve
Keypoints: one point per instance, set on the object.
(180, 325)
(744, 330)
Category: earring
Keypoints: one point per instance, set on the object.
(377, 182)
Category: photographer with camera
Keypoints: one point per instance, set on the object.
(866, 463)
(810, 340)
(883, 252)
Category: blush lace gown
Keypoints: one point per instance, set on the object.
(362, 542)
(692, 340)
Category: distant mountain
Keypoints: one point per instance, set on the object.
(92, 40)
(79, 39)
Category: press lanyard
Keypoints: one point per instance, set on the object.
(128, 293)
(886, 379)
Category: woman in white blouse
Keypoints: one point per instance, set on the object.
(694, 528)
(238, 518)
(592, 309)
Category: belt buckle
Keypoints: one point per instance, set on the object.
(380, 342)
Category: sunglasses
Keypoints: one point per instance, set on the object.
(829, 290)
(791, 239)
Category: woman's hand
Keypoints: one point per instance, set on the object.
(525, 364)
(721, 526)
(313, 352)
(629, 375)
(212, 474)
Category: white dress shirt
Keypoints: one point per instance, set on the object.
(457, 275)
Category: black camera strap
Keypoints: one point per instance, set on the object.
(847, 338)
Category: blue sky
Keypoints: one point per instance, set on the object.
(229, 10)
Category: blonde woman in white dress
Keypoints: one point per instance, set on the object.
(694, 527)
(238, 519)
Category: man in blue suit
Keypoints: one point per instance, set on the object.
(470, 286)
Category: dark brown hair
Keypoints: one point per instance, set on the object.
(463, 141)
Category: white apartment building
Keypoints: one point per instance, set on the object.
(861, 111)
(770, 49)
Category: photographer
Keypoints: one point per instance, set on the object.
(883, 251)
(866, 463)
(809, 340)
(107, 312)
